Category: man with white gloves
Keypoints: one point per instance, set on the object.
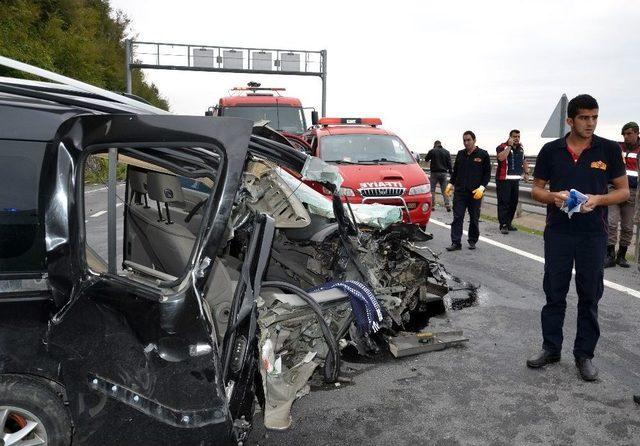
(471, 174)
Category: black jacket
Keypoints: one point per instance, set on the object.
(471, 171)
(440, 159)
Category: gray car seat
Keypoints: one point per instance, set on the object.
(167, 242)
(138, 186)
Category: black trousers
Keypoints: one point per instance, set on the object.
(463, 201)
(561, 253)
(507, 193)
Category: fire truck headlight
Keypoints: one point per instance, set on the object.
(347, 192)
(420, 190)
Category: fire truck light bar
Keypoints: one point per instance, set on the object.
(350, 121)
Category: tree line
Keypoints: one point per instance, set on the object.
(82, 39)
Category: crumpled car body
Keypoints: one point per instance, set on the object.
(320, 241)
(202, 307)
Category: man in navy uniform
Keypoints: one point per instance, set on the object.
(587, 163)
(512, 165)
(470, 176)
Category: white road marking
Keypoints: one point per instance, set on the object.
(99, 213)
(520, 252)
(95, 190)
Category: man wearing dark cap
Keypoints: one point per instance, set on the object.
(587, 163)
(439, 167)
(621, 215)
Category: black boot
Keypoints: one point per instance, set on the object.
(622, 257)
(588, 371)
(611, 256)
(542, 358)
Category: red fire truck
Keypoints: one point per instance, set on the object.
(258, 103)
(375, 164)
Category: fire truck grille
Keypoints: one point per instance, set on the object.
(383, 192)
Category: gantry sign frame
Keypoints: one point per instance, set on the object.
(219, 59)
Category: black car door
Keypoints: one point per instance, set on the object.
(138, 350)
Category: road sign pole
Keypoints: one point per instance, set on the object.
(127, 64)
(563, 114)
(324, 82)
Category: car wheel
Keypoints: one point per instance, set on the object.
(31, 413)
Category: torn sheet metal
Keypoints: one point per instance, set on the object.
(281, 388)
(317, 170)
(293, 346)
(268, 193)
(375, 215)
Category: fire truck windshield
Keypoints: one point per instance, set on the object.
(285, 119)
(364, 149)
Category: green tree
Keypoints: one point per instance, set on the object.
(82, 39)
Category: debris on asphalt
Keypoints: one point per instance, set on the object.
(407, 344)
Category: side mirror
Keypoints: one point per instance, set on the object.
(314, 117)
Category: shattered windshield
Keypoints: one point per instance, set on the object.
(364, 149)
(286, 119)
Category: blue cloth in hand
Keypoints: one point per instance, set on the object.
(574, 202)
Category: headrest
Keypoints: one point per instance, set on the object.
(164, 188)
(138, 181)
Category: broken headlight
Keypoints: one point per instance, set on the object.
(347, 192)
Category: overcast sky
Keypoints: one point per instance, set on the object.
(429, 69)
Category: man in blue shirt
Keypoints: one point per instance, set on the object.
(587, 163)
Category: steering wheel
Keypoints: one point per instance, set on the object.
(194, 210)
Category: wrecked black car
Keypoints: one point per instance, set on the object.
(204, 279)
(114, 345)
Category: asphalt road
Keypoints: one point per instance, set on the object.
(483, 393)
(96, 219)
